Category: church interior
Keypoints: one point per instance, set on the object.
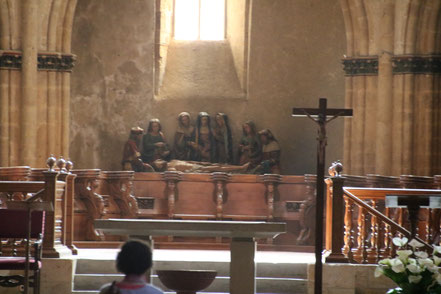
(180, 111)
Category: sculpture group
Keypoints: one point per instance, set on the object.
(206, 146)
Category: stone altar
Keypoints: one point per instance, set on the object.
(242, 234)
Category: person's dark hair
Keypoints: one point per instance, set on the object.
(135, 257)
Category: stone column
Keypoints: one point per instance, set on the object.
(395, 127)
(30, 25)
(383, 147)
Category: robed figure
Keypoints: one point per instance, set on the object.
(153, 143)
(203, 147)
(270, 153)
(184, 138)
(131, 156)
(223, 149)
(249, 145)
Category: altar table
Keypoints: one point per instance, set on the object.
(242, 234)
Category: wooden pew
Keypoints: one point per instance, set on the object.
(58, 228)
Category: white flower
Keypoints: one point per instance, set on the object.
(400, 242)
(436, 259)
(415, 279)
(385, 261)
(432, 268)
(436, 249)
(415, 244)
(404, 254)
(378, 272)
(397, 265)
(411, 261)
(438, 279)
(414, 269)
(425, 262)
(421, 254)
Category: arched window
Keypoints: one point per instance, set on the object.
(199, 20)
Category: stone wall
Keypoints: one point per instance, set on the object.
(293, 56)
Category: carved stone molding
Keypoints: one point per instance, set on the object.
(50, 61)
(417, 64)
(360, 66)
(56, 61)
(10, 60)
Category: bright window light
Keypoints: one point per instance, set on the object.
(199, 19)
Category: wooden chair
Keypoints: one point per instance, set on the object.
(13, 256)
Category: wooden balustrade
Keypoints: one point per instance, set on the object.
(221, 196)
(360, 229)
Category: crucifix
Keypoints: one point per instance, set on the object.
(319, 116)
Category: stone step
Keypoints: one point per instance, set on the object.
(88, 283)
(264, 269)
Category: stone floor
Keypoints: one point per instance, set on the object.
(277, 272)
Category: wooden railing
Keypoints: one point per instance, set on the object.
(175, 195)
(359, 228)
(55, 187)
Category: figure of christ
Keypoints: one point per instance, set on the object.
(203, 145)
(153, 143)
(184, 139)
(223, 142)
(198, 166)
(131, 156)
(249, 146)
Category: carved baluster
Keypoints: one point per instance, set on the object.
(362, 235)
(374, 251)
(171, 190)
(386, 235)
(220, 192)
(171, 193)
(271, 194)
(349, 231)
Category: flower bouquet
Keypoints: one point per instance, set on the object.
(412, 270)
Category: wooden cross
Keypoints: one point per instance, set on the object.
(319, 116)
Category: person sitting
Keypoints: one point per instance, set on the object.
(131, 156)
(153, 143)
(134, 260)
(249, 146)
(270, 153)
